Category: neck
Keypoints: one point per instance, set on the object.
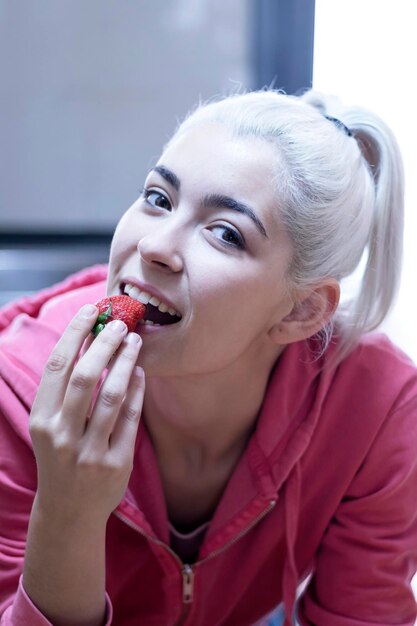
(201, 420)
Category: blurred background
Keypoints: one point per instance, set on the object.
(91, 90)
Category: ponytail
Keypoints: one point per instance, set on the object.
(381, 276)
(383, 252)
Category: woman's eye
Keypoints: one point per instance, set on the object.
(228, 236)
(156, 199)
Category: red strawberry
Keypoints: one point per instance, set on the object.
(124, 308)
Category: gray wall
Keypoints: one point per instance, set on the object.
(91, 89)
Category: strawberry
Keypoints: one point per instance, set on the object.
(124, 308)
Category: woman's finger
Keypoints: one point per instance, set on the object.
(112, 393)
(122, 441)
(86, 345)
(61, 361)
(86, 376)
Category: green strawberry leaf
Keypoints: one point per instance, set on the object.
(97, 329)
(102, 319)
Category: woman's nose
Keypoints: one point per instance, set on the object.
(159, 250)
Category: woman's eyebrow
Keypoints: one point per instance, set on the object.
(169, 176)
(215, 200)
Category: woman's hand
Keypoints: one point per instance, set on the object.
(84, 435)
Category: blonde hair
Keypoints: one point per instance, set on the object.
(340, 195)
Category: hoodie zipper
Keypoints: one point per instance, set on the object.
(188, 571)
(187, 584)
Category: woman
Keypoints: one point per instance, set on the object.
(276, 446)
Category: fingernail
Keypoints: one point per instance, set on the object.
(133, 338)
(117, 326)
(88, 310)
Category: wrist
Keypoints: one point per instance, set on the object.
(65, 520)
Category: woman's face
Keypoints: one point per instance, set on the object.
(205, 239)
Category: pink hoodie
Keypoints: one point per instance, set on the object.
(327, 487)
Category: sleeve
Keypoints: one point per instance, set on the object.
(17, 491)
(368, 556)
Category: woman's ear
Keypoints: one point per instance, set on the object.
(312, 311)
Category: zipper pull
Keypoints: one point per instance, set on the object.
(187, 584)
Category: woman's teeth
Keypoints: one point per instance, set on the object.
(146, 298)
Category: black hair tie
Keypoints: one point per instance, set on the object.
(339, 124)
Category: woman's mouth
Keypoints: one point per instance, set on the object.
(158, 313)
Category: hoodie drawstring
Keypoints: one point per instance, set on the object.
(291, 512)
